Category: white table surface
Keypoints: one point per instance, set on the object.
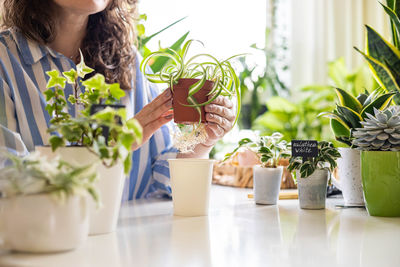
(236, 233)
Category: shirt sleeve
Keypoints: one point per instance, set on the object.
(149, 177)
(10, 139)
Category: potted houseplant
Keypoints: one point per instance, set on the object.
(379, 140)
(267, 175)
(350, 112)
(44, 203)
(99, 132)
(195, 82)
(312, 175)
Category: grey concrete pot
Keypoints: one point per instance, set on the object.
(267, 183)
(312, 189)
(349, 166)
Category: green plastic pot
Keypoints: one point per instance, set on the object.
(380, 172)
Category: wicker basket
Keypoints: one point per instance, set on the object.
(231, 174)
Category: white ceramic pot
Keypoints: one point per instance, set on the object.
(110, 185)
(39, 223)
(350, 183)
(312, 189)
(191, 185)
(267, 183)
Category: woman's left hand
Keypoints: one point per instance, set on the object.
(220, 117)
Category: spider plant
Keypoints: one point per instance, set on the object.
(200, 66)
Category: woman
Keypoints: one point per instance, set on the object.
(40, 35)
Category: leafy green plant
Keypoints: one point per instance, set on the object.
(269, 149)
(226, 82)
(351, 111)
(326, 159)
(35, 174)
(87, 129)
(298, 118)
(382, 56)
(380, 131)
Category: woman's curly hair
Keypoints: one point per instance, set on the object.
(108, 46)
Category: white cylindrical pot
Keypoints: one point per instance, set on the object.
(350, 183)
(104, 219)
(110, 185)
(39, 223)
(312, 189)
(191, 185)
(267, 183)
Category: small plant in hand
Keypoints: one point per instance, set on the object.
(35, 174)
(88, 128)
(206, 70)
(351, 112)
(326, 159)
(269, 149)
(380, 132)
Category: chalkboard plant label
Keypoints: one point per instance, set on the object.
(304, 148)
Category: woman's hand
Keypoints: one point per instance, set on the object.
(220, 118)
(154, 115)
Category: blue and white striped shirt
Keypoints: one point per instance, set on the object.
(24, 120)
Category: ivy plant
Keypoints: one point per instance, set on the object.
(326, 159)
(87, 128)
(269, 149)
(35, 174)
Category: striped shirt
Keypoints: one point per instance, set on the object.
(24, 120)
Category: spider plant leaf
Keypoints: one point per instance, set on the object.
(191, 100)
(379, 103)
(347, 100)
(146, 60)
(159, 62)
(194, 88)
(381, 72)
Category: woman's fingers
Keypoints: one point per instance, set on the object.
(221, 111)
(225, 124)
(223, 101)
(155, 108)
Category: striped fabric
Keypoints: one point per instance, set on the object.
(24, 120)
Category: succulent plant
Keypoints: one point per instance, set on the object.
(380, 131)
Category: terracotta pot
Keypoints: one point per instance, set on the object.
(189, 115)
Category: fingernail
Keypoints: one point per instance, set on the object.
(169, 117)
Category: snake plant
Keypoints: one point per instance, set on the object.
(351, 111)
(382, 56)
(200, 66)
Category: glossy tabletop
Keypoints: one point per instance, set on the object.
(236, 233)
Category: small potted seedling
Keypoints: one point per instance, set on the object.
(379, 142)
(44, 203)
(312, 174)
(195, 82)
(100, 132)
(266, 176)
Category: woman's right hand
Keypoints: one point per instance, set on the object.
(154, 115)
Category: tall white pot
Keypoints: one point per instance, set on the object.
(110, 185)
(350, 183)
(312, 189)
(191, 185)
(39, 223)
(267, 183)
